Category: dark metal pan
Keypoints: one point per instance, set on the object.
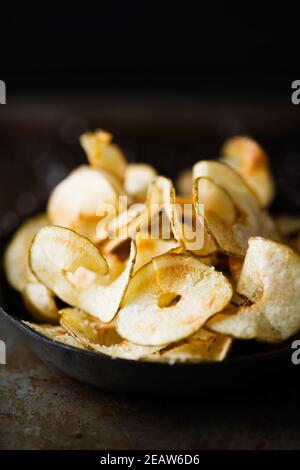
(248, 361)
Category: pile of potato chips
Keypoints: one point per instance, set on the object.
(150, 274)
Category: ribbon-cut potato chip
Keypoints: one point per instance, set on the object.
(101, 338)
(271, 279)
(231, 212)
(154, 219)
(76, 202)
(74, 269)
(47, 330)
(249, 159)
(201, 346)
(56, 333)
(88, 328)
(149, 248)
(102, 154)
(170, 298)
(128, 223)
(40, 302)
(16, 256)
(186, 227)
(37, 298)
(138, 177)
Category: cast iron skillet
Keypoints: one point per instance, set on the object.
(248, 361)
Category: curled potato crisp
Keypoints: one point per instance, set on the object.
(249, 159)
(38, 299)
(138, 177)
(56, 333)
(231, 212)
(185, 225)
(170, 298)
(100, 337)
(102, 153)
(76, 202)
(16, 255)
(40, 302)
(149, 248)
(271, 279)
(74, 269)
(201, 346)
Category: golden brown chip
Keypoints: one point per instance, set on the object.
(74, 269)
(84, 199)
(88, 328)
(56, 333)
(37, 297)
(249, 159)
(40, 302)
(138, 177)
(16, 255)
(148, 248)
(101, 338)
(233, 214)
(102, 154)
(47, 330)
(271, 279)
(201, 346)
(170, 298)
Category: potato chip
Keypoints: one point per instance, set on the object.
(99, 337)
(37, 298)
(40, 302)
(56, 333)
(185, 226)
(128, 224)
(74, 269)
(201, 346)
(218, 214)
(270, 278)
(77, 201)
(47, 330)
(69, 340)
(16, 255)
(138, 177)
(102, 154)
(89, 328)
(170, 298)
(154, 219)
(232, 230)
(148, 248)
(249, 159)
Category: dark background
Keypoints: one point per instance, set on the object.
(188, 46)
